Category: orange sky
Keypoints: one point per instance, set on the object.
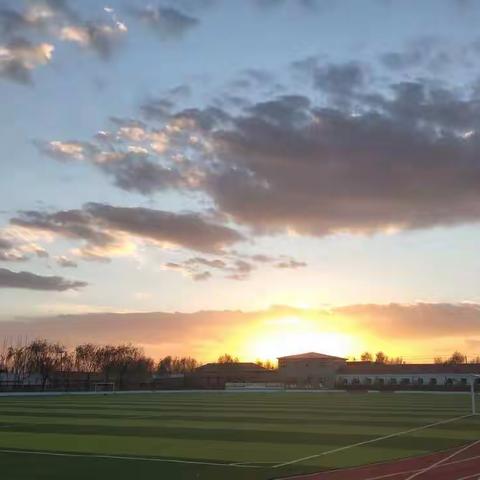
(419, 332)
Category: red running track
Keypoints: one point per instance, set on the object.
(458, 464)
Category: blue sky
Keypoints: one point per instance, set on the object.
(291, 193)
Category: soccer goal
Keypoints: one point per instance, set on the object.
(104, 387)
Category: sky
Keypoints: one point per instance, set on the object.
(263, 176)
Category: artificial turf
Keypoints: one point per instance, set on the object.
(258, 428)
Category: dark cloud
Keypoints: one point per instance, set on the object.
(215, 263)
(8, 252)
(340, 80)
(402, 162)
(188, 230)
(19, 57)
(306, 4)
(400, 158)
(100, 226)
(234, 265)
(428, 53)
(137, 172)
(241, 270)
(199, 277)
(5, 244)
(166, 22)
(38, 16)
(157, 108)
(16, 250)
(291, 263)
(66, 262)
(31, 281)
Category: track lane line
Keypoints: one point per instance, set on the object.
(441, 461)
(373, 440)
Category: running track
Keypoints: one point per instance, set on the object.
(459, 464)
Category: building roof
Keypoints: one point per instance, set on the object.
(310, 356)
(230, 367)
(372, 368)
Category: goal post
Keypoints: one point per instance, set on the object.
(474, 380)
(104, 387)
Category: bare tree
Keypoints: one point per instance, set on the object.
(268, 364)
(227, 358)
(45, 358)
(457, 358)
(380, 357)
(87, 360)
(366, 357)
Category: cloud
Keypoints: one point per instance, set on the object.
(166, 22)
(8, 252)
(340, 79)
(66, 262)
(16, 249)
(99, 37)
(417, 320)
(108, 230)
(428, 53)
(31, 281)
(291, 263)
(20, 57)
(52, 21)
(234, 265)
(356, 160)
(204, 334)
(39, 17)
(405, 162)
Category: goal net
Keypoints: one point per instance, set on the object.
(104, 387)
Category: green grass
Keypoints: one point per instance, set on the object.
(264, 428)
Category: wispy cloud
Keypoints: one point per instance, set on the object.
(31, 281)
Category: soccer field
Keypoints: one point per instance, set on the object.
(221, 435)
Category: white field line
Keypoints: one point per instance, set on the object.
(385, 475)
(475, 476)
(405, 472)
(373, 440)
(121, 457)
(440, 462)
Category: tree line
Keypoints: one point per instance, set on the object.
(456, 358)
(121, 364)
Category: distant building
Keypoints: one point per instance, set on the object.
(316, 370)
(216, 375)
(371, 373)
(311, 369)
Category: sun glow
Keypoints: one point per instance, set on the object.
(289, 335)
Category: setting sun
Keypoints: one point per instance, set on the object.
(292, 334)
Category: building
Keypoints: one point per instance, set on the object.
(216, 375)
(420, 374)
(316, 370)
(311, 370)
